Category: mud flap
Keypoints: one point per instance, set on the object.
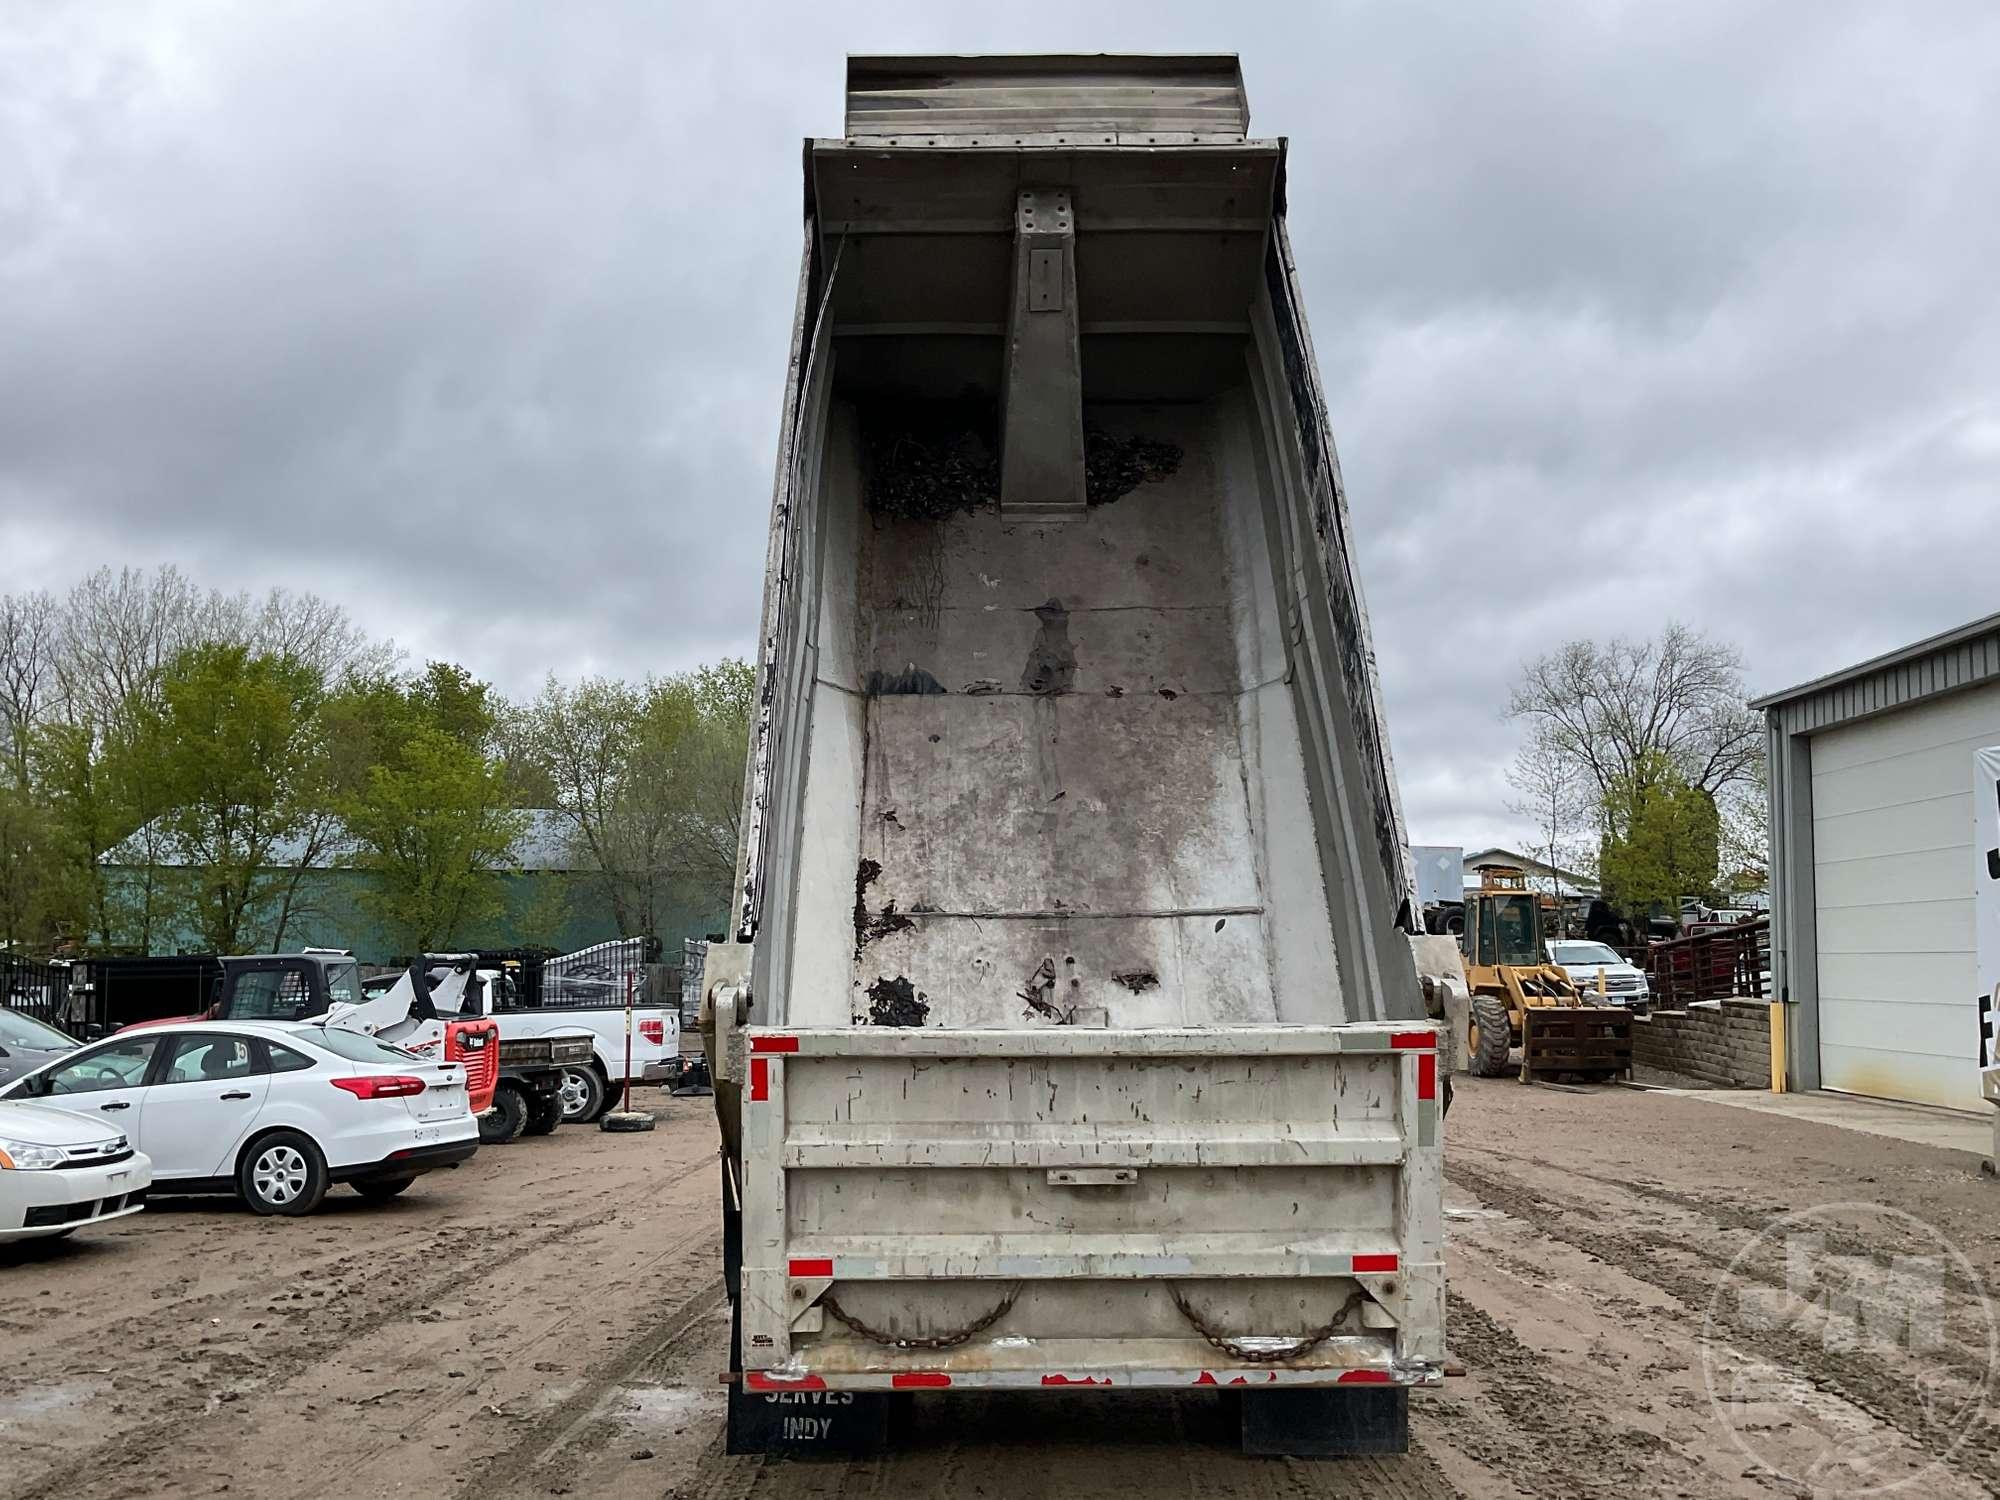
(1325, 1423)
(802, 1424)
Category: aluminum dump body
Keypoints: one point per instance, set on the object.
(1069, 1032)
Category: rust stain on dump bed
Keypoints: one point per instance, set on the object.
(1051, 665)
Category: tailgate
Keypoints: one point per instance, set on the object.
(927, 1207)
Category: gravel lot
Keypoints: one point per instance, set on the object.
(549, 1320)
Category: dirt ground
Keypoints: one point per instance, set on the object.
(549, 1320)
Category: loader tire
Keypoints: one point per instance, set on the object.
(1491, 1038)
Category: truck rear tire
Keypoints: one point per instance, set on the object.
(507, 1118)
(1491, 1039)
(544, 1115)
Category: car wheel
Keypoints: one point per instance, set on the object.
(544, 1115)
(583, 1095)
(507, 1118)
(282, 1173)
(382, 1189)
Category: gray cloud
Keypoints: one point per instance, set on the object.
(473, 316)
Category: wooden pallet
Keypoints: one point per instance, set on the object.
(1592, 1040)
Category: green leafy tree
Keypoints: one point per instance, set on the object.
(24, 889)
(425, 800)
(241, 760)
(650, 779)
(434, 828)
(1662, 836)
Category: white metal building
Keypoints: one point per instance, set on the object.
(1874, 869)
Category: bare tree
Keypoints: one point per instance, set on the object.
(1611, 709)
(312, 630)
(118, 630)
(28, 629)
(1558, 799)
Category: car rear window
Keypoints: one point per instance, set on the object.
(285, 1060)
(17, 1030)
(355, 1047)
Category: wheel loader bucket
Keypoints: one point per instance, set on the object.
(1590, 1041)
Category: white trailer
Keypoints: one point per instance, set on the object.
(1069, 1034)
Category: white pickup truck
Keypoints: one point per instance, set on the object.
(574, 994)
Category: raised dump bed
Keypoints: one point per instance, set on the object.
(1069, 1035)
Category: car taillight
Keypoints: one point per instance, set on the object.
(381, 1086)
(654, 1030)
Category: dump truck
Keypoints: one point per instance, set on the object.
(1067, 1034)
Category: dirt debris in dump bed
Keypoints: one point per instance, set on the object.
(1114, 466)
(927, 460)
(868, 927)
(530, 1324)
(896, 1002)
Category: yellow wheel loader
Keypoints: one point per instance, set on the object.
(1520, 999)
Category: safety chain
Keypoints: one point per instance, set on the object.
(937, 1341)
(1235, 1349)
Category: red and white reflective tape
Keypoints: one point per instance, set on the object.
(938, 1380)
(872, 1268)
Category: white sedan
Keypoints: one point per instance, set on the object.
(60, 1172)
(276, 1112)
(1584, 961)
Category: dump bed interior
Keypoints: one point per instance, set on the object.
(1103, 755)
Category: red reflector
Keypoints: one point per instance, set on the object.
(1427, 1076)
(919, 1380)
(1365, 1377)
(380, 1086)
(760, 1079)
(653, 1030)
(812, 1267)
(1401, 1039)
(774, 1044)
(1374, 1263)
(758, 1381)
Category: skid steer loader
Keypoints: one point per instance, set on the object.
(1520, 999)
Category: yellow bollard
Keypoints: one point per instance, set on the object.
(1777, 1046)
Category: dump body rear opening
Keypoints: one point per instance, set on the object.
(1069, 1029)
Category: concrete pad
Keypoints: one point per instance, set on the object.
(1920, 1124)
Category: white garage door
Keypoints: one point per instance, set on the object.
(1893, 869)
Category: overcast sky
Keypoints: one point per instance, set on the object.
(473, 316)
